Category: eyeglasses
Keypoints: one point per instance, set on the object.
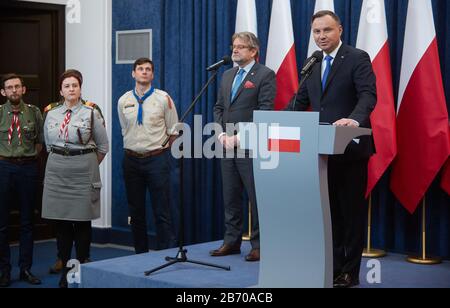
(16, 87)
(239, 47)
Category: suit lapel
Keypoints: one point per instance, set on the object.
(340, 58)
(316, 78)
(250, 77)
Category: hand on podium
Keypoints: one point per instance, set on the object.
(346, 122)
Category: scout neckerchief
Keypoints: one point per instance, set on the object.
(15, 122)
(141, 101)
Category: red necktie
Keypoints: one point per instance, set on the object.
(15, 122)
(64, 130)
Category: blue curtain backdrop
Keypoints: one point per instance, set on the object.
(188, 35)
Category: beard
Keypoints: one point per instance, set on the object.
(15, 99)
(236, 59)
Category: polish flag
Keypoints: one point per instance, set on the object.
(284, 139)
(320, 6)
(246, 20)
(281, 52)
(422, 118)
(373, 38)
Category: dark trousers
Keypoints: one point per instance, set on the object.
(237, 175)
(149, 174)
(70, 232)
(22, 179)
(347, 183)
(58, 244)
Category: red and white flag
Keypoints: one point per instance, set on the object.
(422, 119)
(246, 17)
(281, 52)
(320, 6)
(284, 139)
(373, 38)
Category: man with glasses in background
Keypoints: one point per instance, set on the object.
(248, 87)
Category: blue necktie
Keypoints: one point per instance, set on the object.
(141, 101)
(237, 83)
(327, 71)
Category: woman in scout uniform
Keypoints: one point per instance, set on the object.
(77, 142)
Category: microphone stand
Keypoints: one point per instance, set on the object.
(181, 256)
(305, 76)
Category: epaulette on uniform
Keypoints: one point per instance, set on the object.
(89, 104)
(93, 106)
(51, 106)
(35, 108)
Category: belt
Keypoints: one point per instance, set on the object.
(18, 160)
(69, 152)
(144, 155)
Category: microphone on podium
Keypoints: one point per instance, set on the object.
(315, 58)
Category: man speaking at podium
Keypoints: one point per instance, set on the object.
(343, 90)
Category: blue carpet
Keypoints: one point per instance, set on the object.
(121, 268)
(396, 272)
(45, 256)
(128, 272)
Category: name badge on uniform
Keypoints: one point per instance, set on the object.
(130, 106)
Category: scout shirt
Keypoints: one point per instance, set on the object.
(160, 119)
(30, 120)
(86, 129)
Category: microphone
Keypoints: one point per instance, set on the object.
(225, 61)
(315, 58)
(306, 72)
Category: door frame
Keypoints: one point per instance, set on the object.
(58, 46)
(58, 15)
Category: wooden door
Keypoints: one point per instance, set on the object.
(32, 37)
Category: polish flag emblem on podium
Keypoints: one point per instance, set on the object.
(284, 139)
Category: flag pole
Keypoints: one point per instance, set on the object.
(369, 252)
(246, 237)
(423, 259)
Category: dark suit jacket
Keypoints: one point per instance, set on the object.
(350, 93)
(257, 92)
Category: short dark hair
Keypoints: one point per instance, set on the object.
(141, 61)
(71, 73)
(324, 13)
(7, 77)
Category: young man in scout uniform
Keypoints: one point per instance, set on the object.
(148, 117)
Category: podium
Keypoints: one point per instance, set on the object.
(293, 203)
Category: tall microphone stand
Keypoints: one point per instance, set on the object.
(181, 256)
(304, 76)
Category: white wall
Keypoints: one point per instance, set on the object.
(88, 49)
